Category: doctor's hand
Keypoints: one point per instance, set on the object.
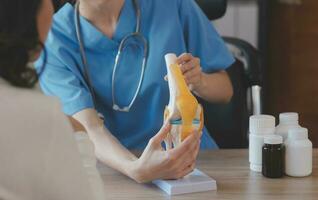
(157, 163)
(191, 69)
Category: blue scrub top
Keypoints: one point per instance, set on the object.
(170, 26)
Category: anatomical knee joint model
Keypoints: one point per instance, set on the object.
(183, 111)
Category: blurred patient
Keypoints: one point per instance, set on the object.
(36, 162)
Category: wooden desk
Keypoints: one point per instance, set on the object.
(230, 168)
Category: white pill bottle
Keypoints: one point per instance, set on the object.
(298, 157)
(287, 121)
(260, 126)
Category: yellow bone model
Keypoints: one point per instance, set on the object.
(183, 111)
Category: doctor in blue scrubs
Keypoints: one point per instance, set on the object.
(83, 72)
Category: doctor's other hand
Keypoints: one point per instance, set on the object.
(191, 69)
(157, 163)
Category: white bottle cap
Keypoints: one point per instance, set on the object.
(273, 139)
(262, 124)
(298, 134)
(288, 117)
(170, 59)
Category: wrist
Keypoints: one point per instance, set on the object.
(136, 172)
(201, 85)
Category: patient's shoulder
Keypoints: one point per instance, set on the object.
(18, 107)
(11, 96)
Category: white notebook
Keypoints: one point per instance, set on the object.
(197, 181)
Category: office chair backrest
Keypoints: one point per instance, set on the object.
(214, 9)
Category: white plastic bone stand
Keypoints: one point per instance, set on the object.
(197, 181)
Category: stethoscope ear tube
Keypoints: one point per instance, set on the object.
(84, 59)
(82, 52)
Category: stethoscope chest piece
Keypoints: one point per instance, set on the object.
(124, 109)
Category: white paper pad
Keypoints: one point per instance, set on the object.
(197, 181)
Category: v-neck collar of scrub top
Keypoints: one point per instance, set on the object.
(95, 39)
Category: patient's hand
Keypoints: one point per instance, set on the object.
(157, 163)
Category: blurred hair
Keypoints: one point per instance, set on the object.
(19, 39)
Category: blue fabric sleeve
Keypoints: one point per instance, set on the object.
(58, 80)
(202, 39)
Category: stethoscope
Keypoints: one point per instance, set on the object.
(122, 46)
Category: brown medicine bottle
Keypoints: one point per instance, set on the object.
(273, 155)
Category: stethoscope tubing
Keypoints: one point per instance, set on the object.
(120, 49)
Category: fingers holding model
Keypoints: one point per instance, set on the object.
(157, 163)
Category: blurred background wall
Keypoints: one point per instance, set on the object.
(292, 60)
(240, 21)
